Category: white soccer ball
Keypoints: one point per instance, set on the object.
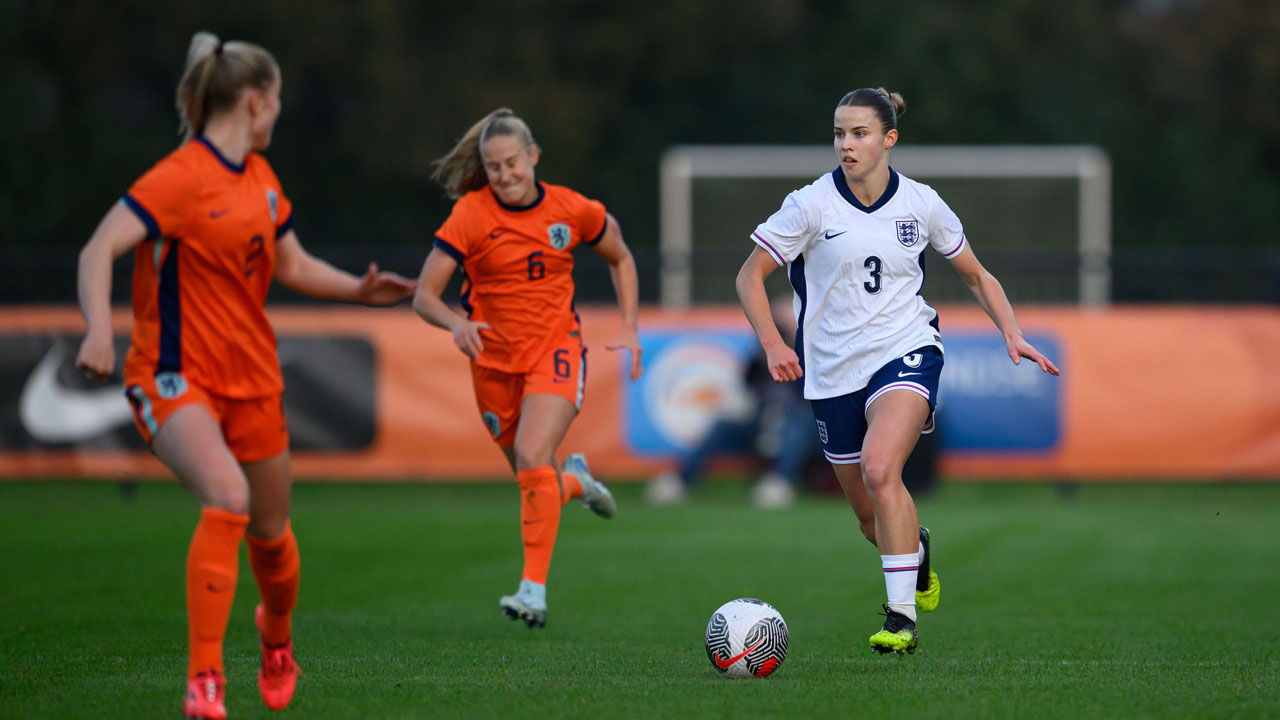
(746, 638)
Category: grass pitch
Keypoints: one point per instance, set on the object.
(1095, 601)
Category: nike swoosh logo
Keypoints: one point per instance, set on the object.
(724, 664)
(215, 214)
(902, 374)
(53, 413)
(497, 233)
(828, 234)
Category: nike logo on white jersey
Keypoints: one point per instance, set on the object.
(828, 234)
(53, 413)
(902, 374)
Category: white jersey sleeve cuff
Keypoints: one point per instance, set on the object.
(955, 250)
(777, 256)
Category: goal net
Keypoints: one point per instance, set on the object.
(1038, 217)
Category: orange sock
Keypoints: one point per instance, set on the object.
(539, 519)
(276, 568)
(212, 565)
(571, 488)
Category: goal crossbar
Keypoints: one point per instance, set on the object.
(1087, 164)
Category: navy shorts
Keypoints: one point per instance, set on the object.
(842, 420)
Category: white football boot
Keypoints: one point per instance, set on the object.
(528, 604)
(594, 494)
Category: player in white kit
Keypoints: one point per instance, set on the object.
(868, 350)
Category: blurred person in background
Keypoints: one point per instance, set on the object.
(868, 350)
(772, 424)
(210, 227)
(514, 237)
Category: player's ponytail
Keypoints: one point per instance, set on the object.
(461, 170)
(887, 106)
(215, 74)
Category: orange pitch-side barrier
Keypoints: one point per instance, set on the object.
(374, 394)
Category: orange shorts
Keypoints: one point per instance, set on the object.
(561, 371)
(253, 428)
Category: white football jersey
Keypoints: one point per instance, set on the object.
(857, 273)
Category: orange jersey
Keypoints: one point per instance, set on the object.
(200, 279)
(518, 266)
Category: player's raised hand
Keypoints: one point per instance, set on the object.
(1019, 348)
(97, 357)
(466, 335)
(784, 364)
(627, 339)
(384, 288)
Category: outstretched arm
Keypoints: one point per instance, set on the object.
(299, 270)
(991, 298)
(622, 270)
(784, 364)
(119, 232)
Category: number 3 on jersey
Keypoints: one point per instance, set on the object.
(873, 285)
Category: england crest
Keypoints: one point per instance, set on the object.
(908, 232)
(559, 235)
(822, 432)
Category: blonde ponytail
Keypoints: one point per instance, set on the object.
(214, 75)
(461, 170)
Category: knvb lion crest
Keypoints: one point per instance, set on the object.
(491, 422)
(559, 235)
(170, 384)
(908, 232)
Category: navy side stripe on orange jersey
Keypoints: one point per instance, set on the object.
(170, 314)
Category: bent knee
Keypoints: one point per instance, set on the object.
(532, 455)
(231, 497)
(879, 474)
(268, 526)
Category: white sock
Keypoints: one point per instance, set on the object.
(900, 581)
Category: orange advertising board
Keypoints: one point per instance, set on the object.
(376, 394)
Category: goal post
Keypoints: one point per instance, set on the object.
(1087, 166)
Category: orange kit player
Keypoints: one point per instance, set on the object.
(514, 238)
(210, 226)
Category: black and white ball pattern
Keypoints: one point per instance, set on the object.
(746, 638)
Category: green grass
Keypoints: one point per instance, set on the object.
(1109, 601)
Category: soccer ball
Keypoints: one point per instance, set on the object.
(746, 638)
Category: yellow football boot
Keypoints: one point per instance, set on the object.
(897, 636)
(928, 589)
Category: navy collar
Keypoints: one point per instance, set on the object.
(837, 176)
(221, 158)
(542, 192)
